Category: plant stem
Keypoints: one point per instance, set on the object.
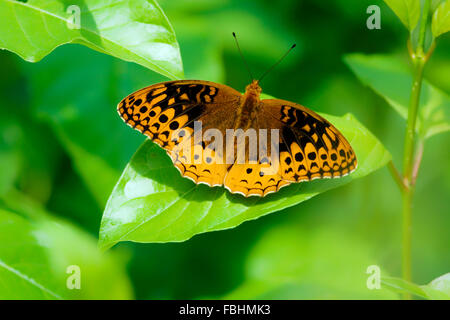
(407, 173)
(396, 176)
(419, 60)
(412, 117)
(417, 161)
(406, 239)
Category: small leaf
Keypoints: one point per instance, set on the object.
(441, 19)
(392, 80)
(132, 30)
(153, 203)
(439, 288)
(35, 256)
(400, 286)
(435, 4)
(408, 11)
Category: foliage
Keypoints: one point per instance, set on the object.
(391, 79)
(64, 152)
(47, 248)
(407, 10)
(34, 28)
(438, 289)
(441, 19)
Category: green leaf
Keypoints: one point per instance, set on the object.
(291, 262)
(441, 19)
(392, 80)
(408, 11)
(438, 289)
(435, 4)
(400, 286)
(34, 257)
(153, 203)
(132, 30)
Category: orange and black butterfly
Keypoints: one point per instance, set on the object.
(309, 147)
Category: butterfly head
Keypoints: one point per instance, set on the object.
(253, 89)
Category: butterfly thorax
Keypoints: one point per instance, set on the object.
(249, 106)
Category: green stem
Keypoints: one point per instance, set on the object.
(412, 117)
(419, 60)
(406, 240)
(396, 176)
(417, 161)
(407, 174)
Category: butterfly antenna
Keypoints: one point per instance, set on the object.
(242, 56)
(272, 67)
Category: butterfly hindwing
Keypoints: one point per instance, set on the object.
(249, 179)
(310, 146)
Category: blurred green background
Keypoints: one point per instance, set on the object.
(58, 126)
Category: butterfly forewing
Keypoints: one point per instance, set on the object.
(167, 112)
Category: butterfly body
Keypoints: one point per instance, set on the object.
(308, 146)
(249, 106)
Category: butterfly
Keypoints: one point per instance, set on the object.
(309, 147)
